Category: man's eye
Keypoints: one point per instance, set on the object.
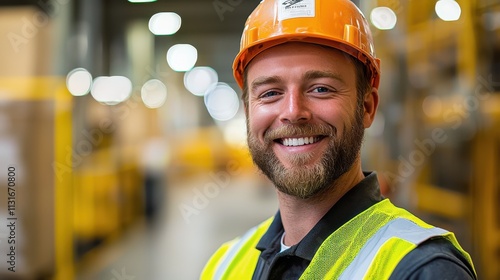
(321, 89)
(270, 93)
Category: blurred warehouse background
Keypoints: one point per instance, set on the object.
(122, 139)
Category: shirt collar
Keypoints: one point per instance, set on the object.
(365, 194)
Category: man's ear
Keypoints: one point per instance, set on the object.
(370, 105)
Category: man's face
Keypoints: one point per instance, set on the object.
(304, 121)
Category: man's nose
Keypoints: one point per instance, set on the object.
(295, 108)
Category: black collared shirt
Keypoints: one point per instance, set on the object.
(433, 259)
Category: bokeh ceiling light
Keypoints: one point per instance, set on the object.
(79, 82)
(166, 23)
(111, 90)
(222, 102)
(182, 57)
(154, 93)
(383, 18)
(448, 10)
(141, 1)
(199, 79)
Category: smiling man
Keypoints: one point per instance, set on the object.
(310, 80)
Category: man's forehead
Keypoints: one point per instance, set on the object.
(293, 47)
(284, 60)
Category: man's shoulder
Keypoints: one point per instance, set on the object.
(436, 257)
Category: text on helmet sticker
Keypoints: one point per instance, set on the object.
(295, 9)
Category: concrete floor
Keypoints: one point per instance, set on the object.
(178, 245)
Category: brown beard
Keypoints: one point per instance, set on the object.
(307, 181)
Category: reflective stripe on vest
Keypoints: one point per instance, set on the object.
(399, 228)
(236, 259)
(233, 250)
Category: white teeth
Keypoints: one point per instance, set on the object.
(298, 141)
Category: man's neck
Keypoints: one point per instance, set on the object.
(299, 216)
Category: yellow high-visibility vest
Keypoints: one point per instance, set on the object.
(369, 246)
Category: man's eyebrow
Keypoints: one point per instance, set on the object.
(309, 75)
(316, 74)
(263, 81)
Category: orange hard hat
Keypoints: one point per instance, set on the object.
(334, 23)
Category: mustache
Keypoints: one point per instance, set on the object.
(288, 131)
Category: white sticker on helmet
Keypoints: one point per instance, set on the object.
(295, 9)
